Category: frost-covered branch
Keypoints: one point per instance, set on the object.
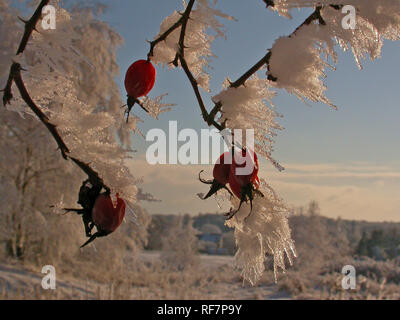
(316, 15)
(209, 118)
(242, 79)
(16, 77)
(93, 175)
(299, 61)
(181, 44)
(181, 57)
(163, 36)
(30, 25)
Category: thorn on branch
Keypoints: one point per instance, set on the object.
(164, 36)
(141, 105)
(23, 20)
(176, 60)
(214, 111)
(269, 3)
(316, 15)
(336, 6)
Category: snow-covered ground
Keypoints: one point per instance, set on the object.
(17, 282)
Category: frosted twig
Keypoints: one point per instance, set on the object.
(30, 25)
(208, 118)
(316, 15)
(16, 77)
(163, 37)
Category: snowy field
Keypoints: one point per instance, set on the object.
(17, 282)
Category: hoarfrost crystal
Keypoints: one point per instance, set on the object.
(265, 232)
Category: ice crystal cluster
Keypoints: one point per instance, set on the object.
(299, 61)
(265, 232)
(256, 99)
(197, 41)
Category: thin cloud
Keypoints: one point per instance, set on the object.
(341, 190)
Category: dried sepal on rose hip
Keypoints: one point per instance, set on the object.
(221, 174)
(239, 169)
(243, 178)
(139, 80)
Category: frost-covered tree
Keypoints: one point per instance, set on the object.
(69, 85)
(32, 178)
(59, 62)
(179, 243)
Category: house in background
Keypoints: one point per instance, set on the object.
(210, 240)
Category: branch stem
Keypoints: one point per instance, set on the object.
(30, 25)
(42, 117)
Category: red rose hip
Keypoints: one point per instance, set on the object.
(139, 80)
(105, 215)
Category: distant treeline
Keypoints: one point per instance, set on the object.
(378, 240)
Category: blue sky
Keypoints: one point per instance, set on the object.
(348, 160)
